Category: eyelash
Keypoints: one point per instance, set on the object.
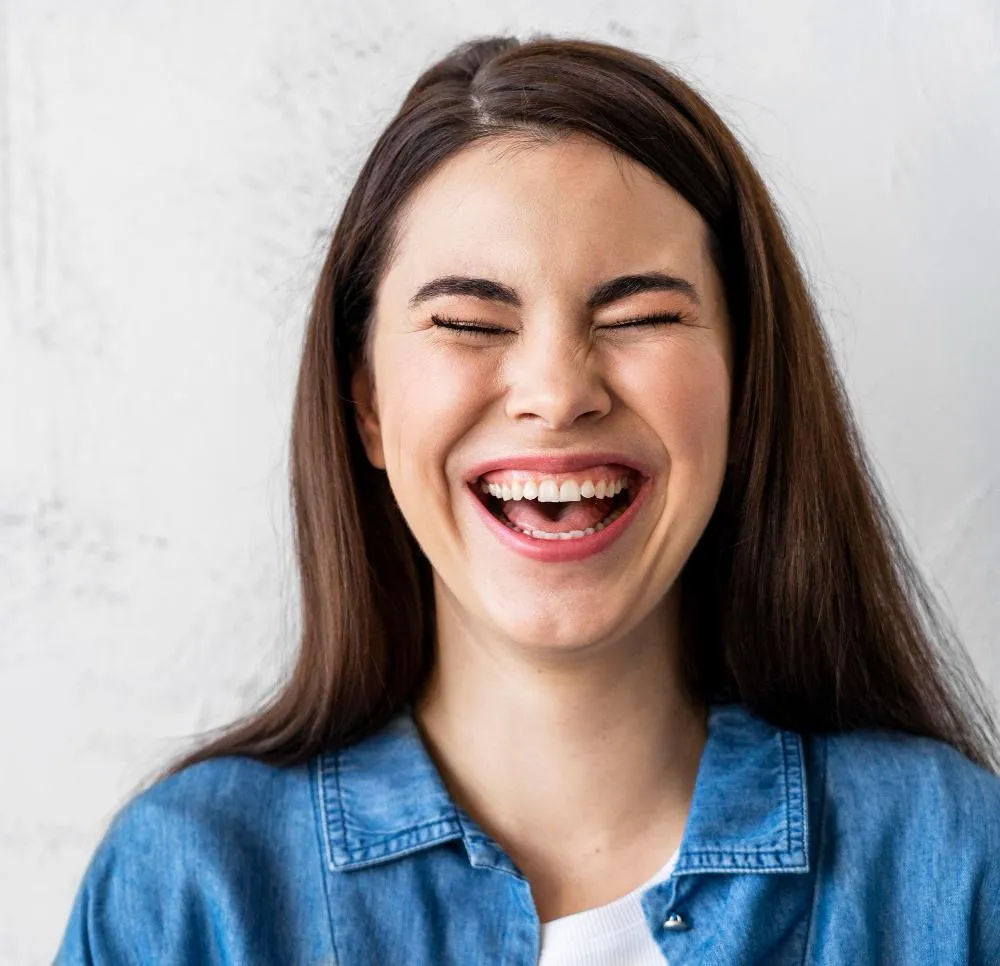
(480, 327)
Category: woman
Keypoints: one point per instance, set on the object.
(611, 652)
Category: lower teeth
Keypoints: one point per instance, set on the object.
(569, 535)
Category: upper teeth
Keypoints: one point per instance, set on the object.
(548, 491)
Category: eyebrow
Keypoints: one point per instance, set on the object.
(613, 290)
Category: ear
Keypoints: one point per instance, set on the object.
(366, 414)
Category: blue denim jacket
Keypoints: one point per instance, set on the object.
(870, 847)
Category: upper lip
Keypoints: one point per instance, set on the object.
(556, 463)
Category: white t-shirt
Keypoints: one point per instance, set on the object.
(615, 934)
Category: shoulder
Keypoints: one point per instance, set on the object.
(913, 826)
(229, 792)
(205, 839)
(894, 775)
(922, 818)
(213, 809)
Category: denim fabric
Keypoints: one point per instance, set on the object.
(869, 847)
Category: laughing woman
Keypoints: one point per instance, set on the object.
(611, 651)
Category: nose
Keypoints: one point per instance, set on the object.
(555, 377)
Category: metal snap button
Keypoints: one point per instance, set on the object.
(676, 922)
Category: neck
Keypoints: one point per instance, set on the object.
(567, 758)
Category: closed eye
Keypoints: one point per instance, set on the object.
(482, 328)
(660, 318)
(471, 326)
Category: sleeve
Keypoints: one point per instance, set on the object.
(217, 864)
(984, 931)
(981, 802)
(136, 904)
(109, 897)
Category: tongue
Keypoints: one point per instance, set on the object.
(556, 517)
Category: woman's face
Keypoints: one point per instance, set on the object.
(552, 249)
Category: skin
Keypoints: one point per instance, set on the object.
(554, 711)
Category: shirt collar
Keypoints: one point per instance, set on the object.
(383, 798)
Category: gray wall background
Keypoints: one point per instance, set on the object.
(168, 175)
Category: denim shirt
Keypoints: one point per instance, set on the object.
(866, 847)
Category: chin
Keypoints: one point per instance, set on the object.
(545, 629)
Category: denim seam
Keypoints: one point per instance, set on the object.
(820, 832)
(795, 793)
(325, 849)
(784, 785)
(468, 834)
(727, 870)
(321, 791)
(803, 793)
(354, 862)
(758, 850)
(471, 837)
(387, 840)
(793, 800)
(357, 853)
(340, 801)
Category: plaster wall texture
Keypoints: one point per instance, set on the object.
(168, 176)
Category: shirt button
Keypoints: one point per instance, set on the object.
(676, 922)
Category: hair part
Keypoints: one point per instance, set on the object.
(800, 600)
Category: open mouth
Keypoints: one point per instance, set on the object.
(559, 508)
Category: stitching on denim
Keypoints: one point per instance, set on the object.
(321, 792)
(471, 837)
(712, 855)
(794, 838)
(795, 800)
(329, 857)
(802, 796)
(694, 868)
(384, 834)
(784, 831)
(761, 850)
(770, 856)
(354, 862)
(820, 832)
(402, 833)
(784, 786)
(352, 852)
(340, 802)
(731, 870)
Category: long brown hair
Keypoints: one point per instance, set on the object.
(799, 601)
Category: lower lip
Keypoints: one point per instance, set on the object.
(561, 551)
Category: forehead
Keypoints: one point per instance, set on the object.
(545, 210)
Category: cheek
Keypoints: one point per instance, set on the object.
(686, 392)
(427, 401)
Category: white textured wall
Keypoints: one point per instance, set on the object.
(168, 172)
